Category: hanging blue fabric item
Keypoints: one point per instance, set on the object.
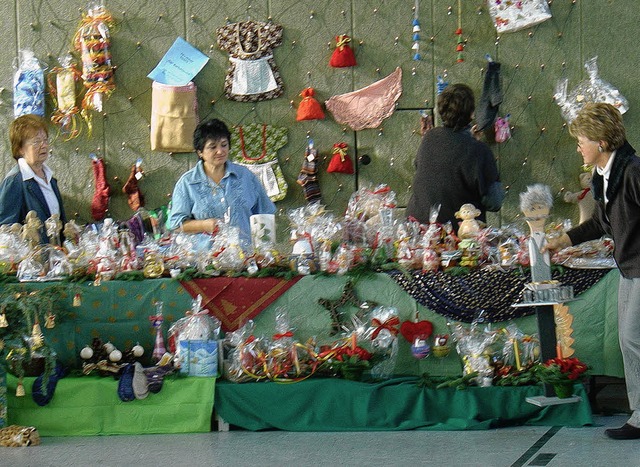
(28, 86)
(441, 84)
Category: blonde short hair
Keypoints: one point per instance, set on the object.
(23, 128)
(600, 122)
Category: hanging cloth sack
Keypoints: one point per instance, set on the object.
(340, 162)
(343, 55)
(309, 108)
(258, 151)
(174, 117)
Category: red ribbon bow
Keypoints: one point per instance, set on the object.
(388, 325)
(341, 149)
(583, 194)
(280, 336)
(342, 41)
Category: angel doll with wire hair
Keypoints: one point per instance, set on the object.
(535, 204)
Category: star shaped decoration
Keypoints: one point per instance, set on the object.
(337, 307)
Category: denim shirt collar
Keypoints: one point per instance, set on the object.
(229, 169)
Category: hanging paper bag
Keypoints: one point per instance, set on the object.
(174, 117)
(514, 16)
(340, 162)
(343, 55)
(309, 108)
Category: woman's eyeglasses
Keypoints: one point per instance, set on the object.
(38, 142)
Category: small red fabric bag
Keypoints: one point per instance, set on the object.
(340, 162)
(309, 108)
(342, 55)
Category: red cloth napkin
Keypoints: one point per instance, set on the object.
(236, 300)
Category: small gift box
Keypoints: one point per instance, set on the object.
(197, 349)
(198, 357)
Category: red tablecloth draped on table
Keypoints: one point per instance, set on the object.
(236, 300)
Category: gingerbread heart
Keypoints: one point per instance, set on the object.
(412, 330)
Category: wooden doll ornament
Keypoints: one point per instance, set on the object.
(536, 204)
(583, 198)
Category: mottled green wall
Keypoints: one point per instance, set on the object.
(533, 60)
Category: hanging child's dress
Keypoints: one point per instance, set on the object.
(257, 149)
(253, 75)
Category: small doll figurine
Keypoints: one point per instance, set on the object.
(31, 229)
(536, 204)
(72, 232)
(53, 225)
(469, 227)
(583, 198)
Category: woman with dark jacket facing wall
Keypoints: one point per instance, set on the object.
(30, 185)
(452, 167)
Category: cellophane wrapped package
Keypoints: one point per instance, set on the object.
(513, 15)
(197, 350)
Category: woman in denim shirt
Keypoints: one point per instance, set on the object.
(216, 189)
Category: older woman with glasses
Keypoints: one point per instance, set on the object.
(30, 185)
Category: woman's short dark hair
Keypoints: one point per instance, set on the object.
(23, 128)
(456, 105)
(213, 129)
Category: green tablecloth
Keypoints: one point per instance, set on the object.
(118, 311)
(595, 324)
(89, 405)
(399, 404)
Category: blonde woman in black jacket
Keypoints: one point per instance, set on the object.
(602, 143)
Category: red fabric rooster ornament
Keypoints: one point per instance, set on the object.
(100, 201)
(135, 198)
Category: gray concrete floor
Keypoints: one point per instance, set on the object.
(519, 446)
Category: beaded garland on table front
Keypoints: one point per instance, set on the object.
(488, 294)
